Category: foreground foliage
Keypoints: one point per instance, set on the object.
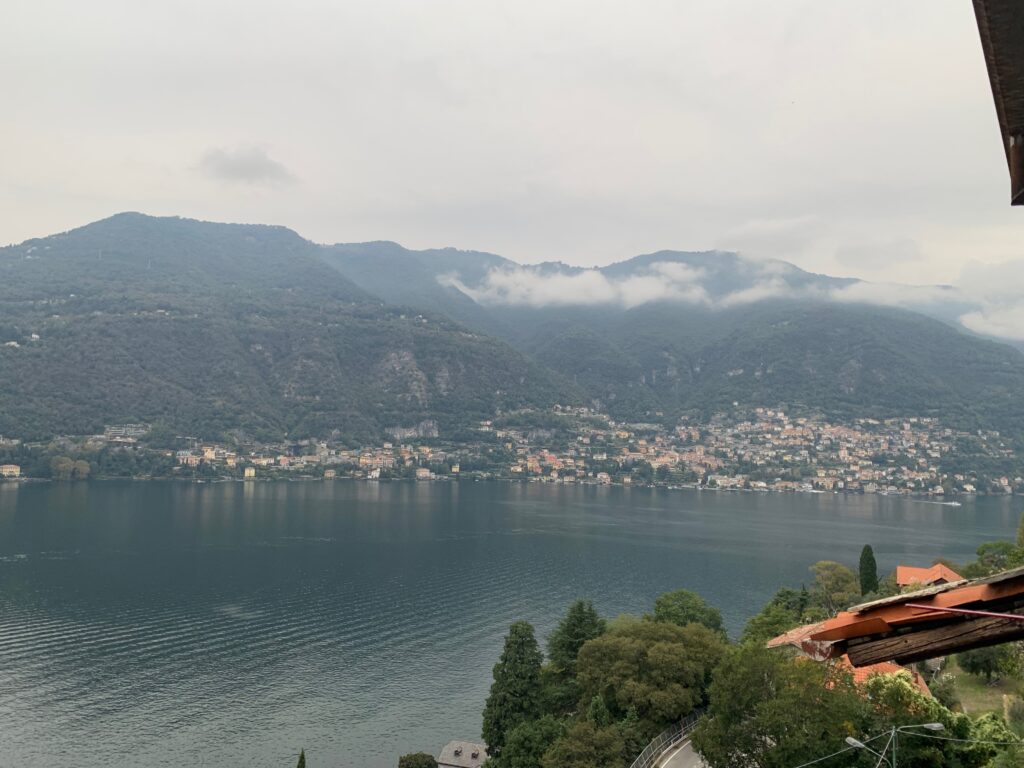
(417, 760)
(658, 670)
(515, 694)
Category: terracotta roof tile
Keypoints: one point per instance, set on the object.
(908, 574)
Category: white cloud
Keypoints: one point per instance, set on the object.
(895, 294)
(1005, 321)
(663, 281)
(999, 289)
(990, 300)
(764, 290)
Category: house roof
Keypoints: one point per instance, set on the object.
(908, 574)
(861, 674)
(462, 754)
(1001, 27)
(913, 627)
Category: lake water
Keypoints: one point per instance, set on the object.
(165, 624)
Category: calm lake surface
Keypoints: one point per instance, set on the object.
(164, 624)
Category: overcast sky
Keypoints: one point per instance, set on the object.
(851, 137)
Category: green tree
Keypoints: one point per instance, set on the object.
(896, 699)
(771, 622)
(80, 470)
(943, 688)
(598, 713)
(634, 737)
(417, 760)
(515, 692)
(659, 669)
(302, 759)
(993, 557)
(683, 607)
(62, 467)
(580, 624)
(868, 571)
(770, 710)
(586, 746)
(993, 661)
(835, 586)
(527, 743)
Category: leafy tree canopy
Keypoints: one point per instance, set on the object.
(993, 661)
(684, 607)
(527, 743)
(770, 710)
(895, 699)
(835, 586)
(417, 760)
(660, 670)
(586, 746)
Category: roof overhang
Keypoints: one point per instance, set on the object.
(1001, 26)
(914, 626)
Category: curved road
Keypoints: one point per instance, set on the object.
(682, 756)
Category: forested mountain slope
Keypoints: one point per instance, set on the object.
(211, 328)
(731, 329)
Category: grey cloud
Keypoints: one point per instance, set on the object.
(244, 165)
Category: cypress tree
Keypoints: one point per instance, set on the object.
(868, 571)
(302, 759)
(515, 692)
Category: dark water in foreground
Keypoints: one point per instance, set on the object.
(159, 624)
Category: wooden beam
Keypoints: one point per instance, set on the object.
(922, 643)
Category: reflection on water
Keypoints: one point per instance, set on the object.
(153, 624)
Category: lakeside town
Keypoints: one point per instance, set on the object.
(749, 449)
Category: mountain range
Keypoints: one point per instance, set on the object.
(219, 329)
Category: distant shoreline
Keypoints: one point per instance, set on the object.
(938, 501)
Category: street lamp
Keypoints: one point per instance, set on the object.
(861, 745)
(892, 740)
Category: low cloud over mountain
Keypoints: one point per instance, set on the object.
(989, 300)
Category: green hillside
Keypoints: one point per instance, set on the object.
(671, 357)
(847, 360)
(211, 328)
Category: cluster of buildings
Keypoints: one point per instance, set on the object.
(767, 449)
(317, 458)
(755, 449)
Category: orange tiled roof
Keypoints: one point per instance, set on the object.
(908, 574)
(861, 674)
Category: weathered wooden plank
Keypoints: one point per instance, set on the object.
(927, 643)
